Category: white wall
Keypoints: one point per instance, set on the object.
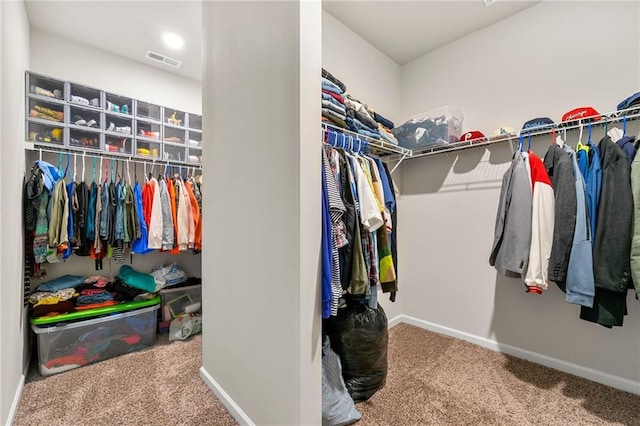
(373, 78)
(543, 61)
(261, 340)
(369, 74)
(60, 57)
(14, 49)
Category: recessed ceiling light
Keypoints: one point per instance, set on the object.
(173, 40)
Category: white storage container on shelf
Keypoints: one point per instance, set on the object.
(440, 126)
(65, 346)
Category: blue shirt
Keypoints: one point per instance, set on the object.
(593, 182)
(326, 253)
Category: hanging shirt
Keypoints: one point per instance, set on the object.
(582, 156)
(59, 217)
(70, 229)
(119, 216)
(167, 221)
(91, 213)
(542, 220)
(97, 241)
(325, 257)
(140, 245)
(593, 182)
(195, 210)
(104, 212)
(580, 285)
(183, 216)
(174, 214)
(336, 210)
(155, 227)
(370, 215)
(147, 202)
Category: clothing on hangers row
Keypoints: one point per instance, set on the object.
(108, 218)
(580, 234)
(359, 225)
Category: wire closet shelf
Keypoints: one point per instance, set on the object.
(30, 146)
(607, 119)
(352, 141)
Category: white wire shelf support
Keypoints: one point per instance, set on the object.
(606, 120)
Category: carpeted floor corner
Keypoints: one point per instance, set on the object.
(438, 380)
(160, 385)
(433, 380)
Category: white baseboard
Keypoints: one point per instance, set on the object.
(567, 367)
(395, 321)
(16, 398)
(226, 400)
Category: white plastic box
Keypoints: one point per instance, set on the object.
(182, 300)
(436, 127)
(68, 346)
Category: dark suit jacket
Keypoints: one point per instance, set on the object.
(560, 170)
(612, 244)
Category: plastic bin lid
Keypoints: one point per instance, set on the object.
(91, 313)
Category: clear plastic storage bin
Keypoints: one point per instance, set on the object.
(436, 127)
(68, 346)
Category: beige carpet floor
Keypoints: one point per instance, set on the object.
(433, 380)
(160, 385)
(438, 380)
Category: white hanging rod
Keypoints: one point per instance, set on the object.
(608, 118)
(152, 161)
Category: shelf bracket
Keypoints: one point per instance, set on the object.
(406, 154)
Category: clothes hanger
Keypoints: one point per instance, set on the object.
(520, 142)
(128, 173)
(93, 174)
(529, 147)
(589, 133)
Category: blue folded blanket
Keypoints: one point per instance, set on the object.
(65, 281)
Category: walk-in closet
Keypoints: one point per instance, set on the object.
(356, 212)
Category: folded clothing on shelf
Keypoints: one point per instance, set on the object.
(50, 136)
(174, 139)
(355, 125)
(86, 141)
(326, 74)
(45, 113)
(380, 119)
(61, 283)
(149, 134)
(41, 91)
(79, 100)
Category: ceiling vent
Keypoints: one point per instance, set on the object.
(157, 57)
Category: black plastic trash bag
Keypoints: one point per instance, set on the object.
(359, 335)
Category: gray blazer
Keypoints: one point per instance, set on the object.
(560, 170)
(510, 251)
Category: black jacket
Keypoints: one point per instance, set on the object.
(612, 244)
(560, 170)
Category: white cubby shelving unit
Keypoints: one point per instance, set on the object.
(71, 115)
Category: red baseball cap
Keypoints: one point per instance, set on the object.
(474, 135)
(582, 113)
